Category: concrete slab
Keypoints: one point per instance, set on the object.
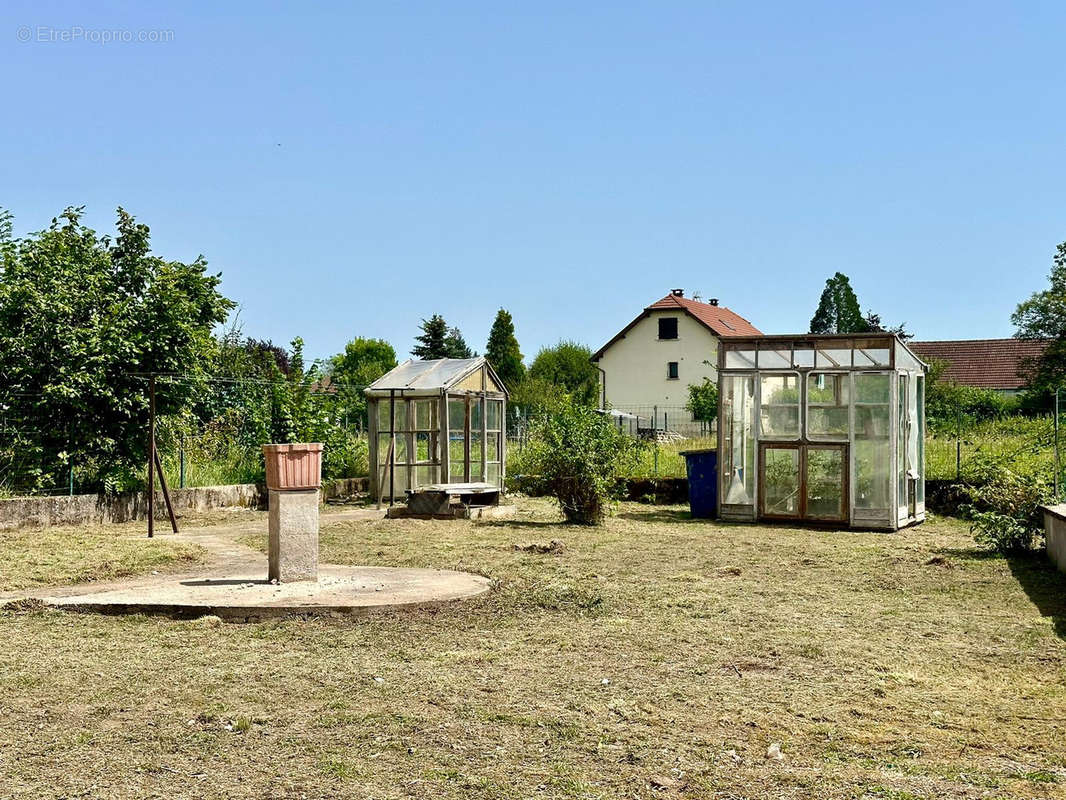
(249, 597)
(232, 584)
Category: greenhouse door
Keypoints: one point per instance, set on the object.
(804, 482)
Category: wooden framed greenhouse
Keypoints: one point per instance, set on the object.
(822, 430)
(436, 422)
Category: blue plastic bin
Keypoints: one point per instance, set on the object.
(702, 469)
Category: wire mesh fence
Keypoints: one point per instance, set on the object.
(214, 437)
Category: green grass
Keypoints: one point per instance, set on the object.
(655, 657)
(1023, 445)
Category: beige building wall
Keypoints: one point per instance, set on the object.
(635, 367)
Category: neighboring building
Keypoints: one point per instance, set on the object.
(648, 367)
(985, 363)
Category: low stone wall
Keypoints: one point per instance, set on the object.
(85, 509)
(1055, 534)
(651, 490)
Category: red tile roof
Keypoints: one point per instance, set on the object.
(987, 363)
(719, 320)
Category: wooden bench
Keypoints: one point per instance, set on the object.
(437, 498)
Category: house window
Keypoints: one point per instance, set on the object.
(667, 327)
(671, 370)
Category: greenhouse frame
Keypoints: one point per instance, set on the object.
(822, 430)
(418, 406)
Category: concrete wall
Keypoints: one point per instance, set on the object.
(1055, 534)
(635, 365)
(82, 509)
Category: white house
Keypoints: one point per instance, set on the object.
(648, 366)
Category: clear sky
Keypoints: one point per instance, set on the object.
(354, 167)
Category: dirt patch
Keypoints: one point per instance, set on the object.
(554, 547)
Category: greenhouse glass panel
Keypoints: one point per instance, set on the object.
(737, 462)
(457, 414)
(425, 412)
(803, 356)
(426, 476)
(494, 414)
(779, 407)
(839, 355)
(775, 358)
(740, 359)
(871, 353)
(781, 481)
(901, 444)
(827, 405)
(920, 464)
(825, 483)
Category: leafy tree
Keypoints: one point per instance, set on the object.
(83, 320)
(502, 350)
(703, 401)
(7, 225)
(455, 345)
(265, 350)
(838, 309)
(577, 454)
(1043, 316)
(874, 325)
(305, 408)
(362, 362)
(432, 343)
(568, 366)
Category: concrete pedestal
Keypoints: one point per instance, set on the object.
(293, 536)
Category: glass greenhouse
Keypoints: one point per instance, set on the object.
(436, 422)
(821, 429)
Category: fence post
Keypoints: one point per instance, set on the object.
(181, 461)
(72, 475)
(655, 433)
(1057, 445)
(958, 442)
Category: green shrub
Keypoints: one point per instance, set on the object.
(575, 455)
(1004, 509)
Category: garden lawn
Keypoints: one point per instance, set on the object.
(656, 657)
(64, 555)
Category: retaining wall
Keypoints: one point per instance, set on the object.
(1055, 534)
(83, 509)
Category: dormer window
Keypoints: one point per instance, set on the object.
(667, 327)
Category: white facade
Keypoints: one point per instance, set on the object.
(635, 369)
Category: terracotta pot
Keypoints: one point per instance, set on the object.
(291, 467)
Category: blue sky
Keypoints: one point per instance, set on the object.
(352, 168)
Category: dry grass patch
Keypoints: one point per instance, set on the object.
(66, 555)
(656, 657)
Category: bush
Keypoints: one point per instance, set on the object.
(947, 402)
(575, 454)
(1005, 509)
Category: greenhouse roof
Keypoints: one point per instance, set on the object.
(414, 376)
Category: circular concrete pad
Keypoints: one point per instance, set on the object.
(339, 590)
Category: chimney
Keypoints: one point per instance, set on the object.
(713, 301)
(677, 292)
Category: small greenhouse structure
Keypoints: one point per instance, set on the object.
(436, 422)
(821, 429)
